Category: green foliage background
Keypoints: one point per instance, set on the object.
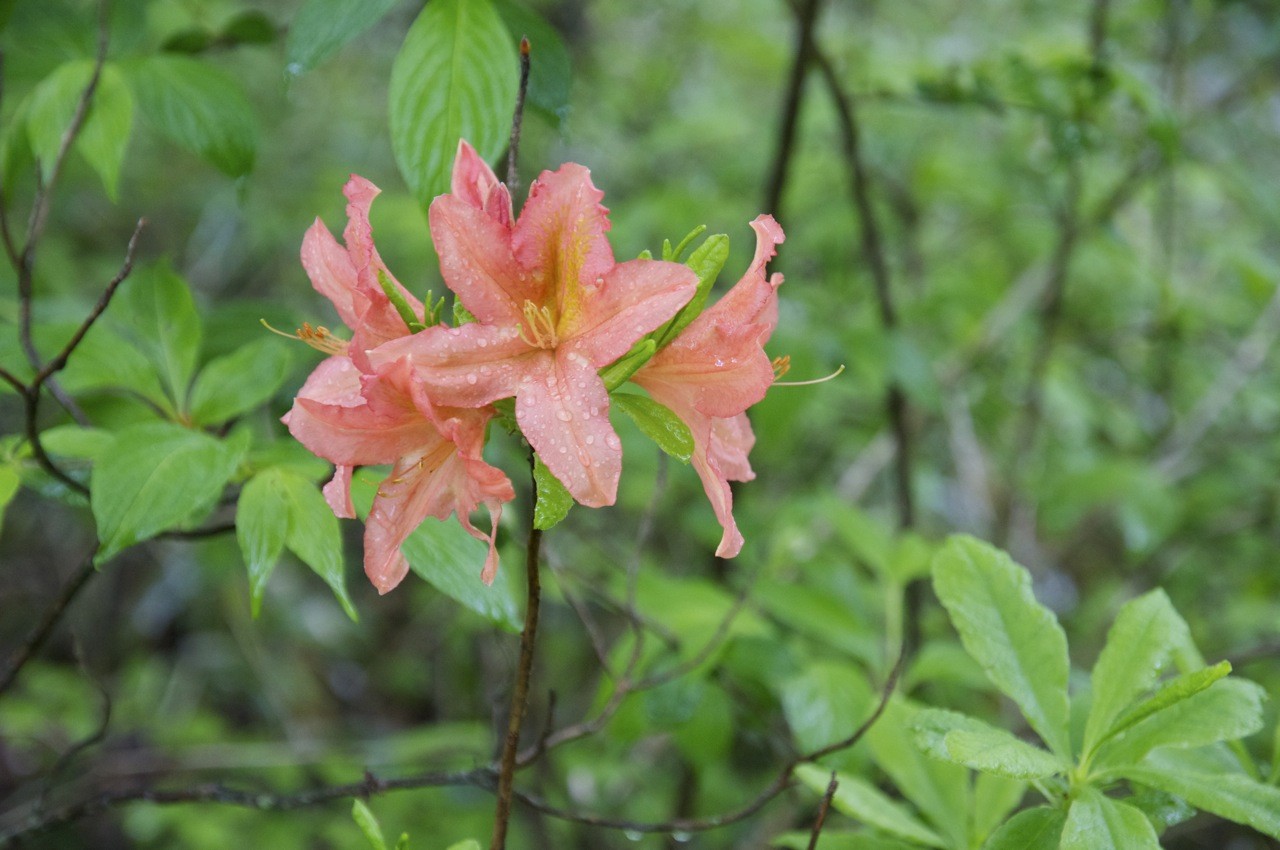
(1081, 245)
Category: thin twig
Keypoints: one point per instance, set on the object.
(517, 120)
(802, 56)
(520, 696)
(40, 634)
(873, 252)
(822, 812)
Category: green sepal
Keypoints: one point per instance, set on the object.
(619, 371)
(397, 299)
(461, 315)
(553, 500)
(432, 310)
(706, 262)
(368, 823)
(673, 256)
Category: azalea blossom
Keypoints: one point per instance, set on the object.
(354, 414)
(551, 306)
(714, 370)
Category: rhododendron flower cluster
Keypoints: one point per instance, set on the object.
(547, 308)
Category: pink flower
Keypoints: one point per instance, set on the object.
(714, 370)
(353, 414)
(552, 307)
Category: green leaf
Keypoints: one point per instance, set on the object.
(262, 525)
(450, 559)
(1095, 822)
(554, 501)
(1032, 829)
(469, 844)
(619, 371)
(104, 135)
(314, 535)
(9, 481)
(154, 477)
(1017, 641)
(164, 325)
(706, 262)
(824, 703)
(455, 78)
(1231, 709)
(658, 423)
(550, 70)
(322, 27)
(833, 839)
(402, 843)
(993, 798)
(1172, 692)
(965, 740)
(1138, 647)
(1227, 795)
(249, 27)
(859, 799)
(76, 442)
(198, 107)
(235, 383)
(1163, 810)
(368, 824)
(939, 790)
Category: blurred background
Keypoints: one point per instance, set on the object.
(1041, 238)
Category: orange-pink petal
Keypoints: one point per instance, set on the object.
(634, 298)
(474, 182)
(477, 262)
(468, 366)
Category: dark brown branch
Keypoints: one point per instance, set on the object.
(40, 634)
(806, 14)
(822, 812)
(771, 791)
(44, 192)
(517, 120)
(60, 361)
(262, 801)
(873, 252)
(520, 696)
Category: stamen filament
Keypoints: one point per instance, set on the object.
(823, 380)
(319, 337)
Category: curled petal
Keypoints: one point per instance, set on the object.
(635, 297)
(754, 298)
(731, 441)
(561, 235)
(338, 493)
(564, 414)
(332, 273)
(475, 184)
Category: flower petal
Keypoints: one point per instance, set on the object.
(720, 370)
(731, 441)
(338, 493)
(467, 366)
(332, 273)
(754, 298)
(561, 236)
(635, 298)
(477, 263)
(564, 414)
(474, 183)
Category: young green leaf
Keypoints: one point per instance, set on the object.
(823, 702)
(965, 740)
(1231, 709)
(553, 502)
(238, 382)
(262, 525)
(1174, 691)
(314, 535)
(105, 133)
(1031, 829)
(1138, 646)
(154, 477)
(1228, 795)
(859, 799)
(1095, 822)
(161, 318)
(658, 423)
(198, 107)
(368, 823)
(322, 27)
(939, 790)
(469, 844)
(1017, 641)
(706, 261)
(454, 78)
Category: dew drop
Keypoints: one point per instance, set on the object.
(719, 362)
(583, 457)
(564, 415)
(472, 379)
(564, 450)
(482, 342)
(613, 442)
(589, 439)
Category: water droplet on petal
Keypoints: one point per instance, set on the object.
(613, 442)
(564, 415)
(589, 439)
(583, 457)
(472, 379)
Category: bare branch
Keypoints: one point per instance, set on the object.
(822, 812)
(40, 634)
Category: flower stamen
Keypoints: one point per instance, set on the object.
(822, 380)
(320, 338)
(539, 328)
